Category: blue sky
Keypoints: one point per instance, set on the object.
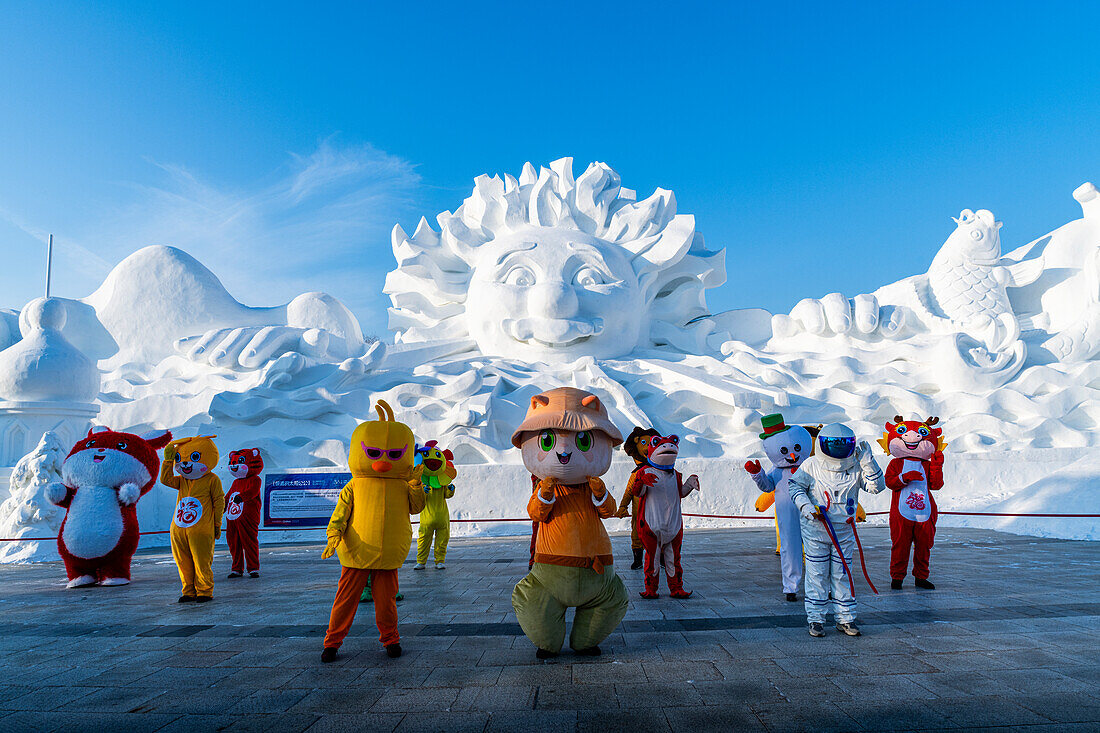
(824, 146)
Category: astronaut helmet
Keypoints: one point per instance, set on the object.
(837, 442)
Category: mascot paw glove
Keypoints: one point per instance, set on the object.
(752, 466)
(596, 486)
(808, 512)
(129, 493)
(55, 492)
(330, 548)
(692, 483)
(910, 476)
(937, 458)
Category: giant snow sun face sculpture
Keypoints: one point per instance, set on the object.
(550, 268)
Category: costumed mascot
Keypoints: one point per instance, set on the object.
(567, 440)
(786, 446)
(370, 529)
(188, 468)
(914, 472)
(242, 511)
(660, 522)
(438, 480)
(637, 447)
(825, 488)
(102, 479)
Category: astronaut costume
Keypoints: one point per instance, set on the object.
(830, 481)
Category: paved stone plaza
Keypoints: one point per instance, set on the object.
(1010, 638)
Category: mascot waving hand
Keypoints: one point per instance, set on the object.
(914, 472)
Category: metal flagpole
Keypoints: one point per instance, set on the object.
(49, 264)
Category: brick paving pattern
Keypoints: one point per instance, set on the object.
(1008, 640)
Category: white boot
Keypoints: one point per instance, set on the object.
(82, 582)
(114, 581)
(439, 566)
(418, 566)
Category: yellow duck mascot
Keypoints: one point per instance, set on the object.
(370, 530)
(188, 468)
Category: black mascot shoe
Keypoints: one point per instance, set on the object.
(637, 564)
(792, 597)
(544, 654)
(895, 584)
(923, 583)
(186, 599)
(329, 654)
(233, 574)
(204, 599)
(393, 650)
(253, 573)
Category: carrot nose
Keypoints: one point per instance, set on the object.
(381, 466)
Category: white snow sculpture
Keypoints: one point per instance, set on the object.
(551, 268)
(46, 383)
(27, 512)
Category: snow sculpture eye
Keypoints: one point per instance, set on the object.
(587, 277)
(547, 440)
(521, 277)
(797, 447)
(976, 234)
(783, 451)
(584, 440)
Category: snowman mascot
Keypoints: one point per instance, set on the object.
(786, 446)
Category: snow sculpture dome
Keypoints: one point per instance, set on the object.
(44, 366)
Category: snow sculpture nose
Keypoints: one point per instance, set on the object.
(553, 300)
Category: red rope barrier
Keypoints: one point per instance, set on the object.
(526, 519)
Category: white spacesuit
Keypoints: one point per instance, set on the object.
(829, 482)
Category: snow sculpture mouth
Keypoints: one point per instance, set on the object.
(552, 332)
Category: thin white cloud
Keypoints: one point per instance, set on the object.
(320, 222)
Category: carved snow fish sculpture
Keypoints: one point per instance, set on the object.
(968, 280)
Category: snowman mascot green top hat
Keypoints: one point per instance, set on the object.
(786, 446)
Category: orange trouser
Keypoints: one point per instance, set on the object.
(384, 591)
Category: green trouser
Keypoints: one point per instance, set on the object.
(540, 600)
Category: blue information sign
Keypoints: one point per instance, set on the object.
(301, 499)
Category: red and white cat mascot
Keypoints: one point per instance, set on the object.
(242, 511)
(102, 479)
(914, 472)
